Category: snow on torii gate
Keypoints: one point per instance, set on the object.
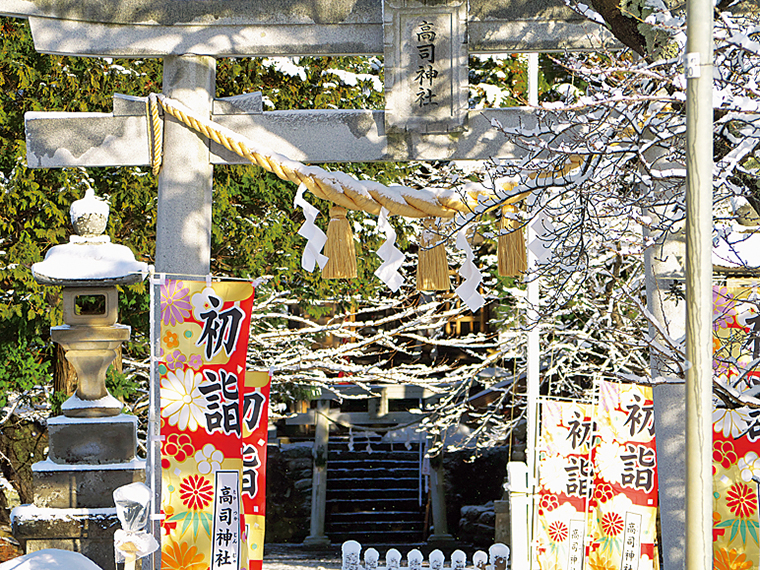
(189, 35)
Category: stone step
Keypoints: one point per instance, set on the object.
(82, 486)
(377, 537)
(353, 505)
(370, 523)
(415, 515)
(361, 455)
(373, 494)
(383, 484)
(374, 465)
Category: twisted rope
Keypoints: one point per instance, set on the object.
(156, 127)
(340, 188)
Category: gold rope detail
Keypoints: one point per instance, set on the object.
(156, 127)
(326, 185)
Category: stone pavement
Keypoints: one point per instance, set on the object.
(296, 557)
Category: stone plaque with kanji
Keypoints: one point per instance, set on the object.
(425, 66)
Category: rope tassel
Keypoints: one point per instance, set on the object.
(511, 251)
(339, 249)
(432, 265)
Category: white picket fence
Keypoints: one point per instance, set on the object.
(497, 558)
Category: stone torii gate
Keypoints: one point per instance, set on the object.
(191, 34)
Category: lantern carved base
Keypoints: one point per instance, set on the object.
(91, 350)
(73, 489)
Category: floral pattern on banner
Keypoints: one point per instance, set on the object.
(213, 420)
(598, 482)
(736, 344)
(623, 510)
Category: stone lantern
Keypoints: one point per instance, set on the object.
(92, 447)
(89, 268)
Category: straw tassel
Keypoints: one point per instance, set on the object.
(432, 266)
(512, 255)
(339, 249)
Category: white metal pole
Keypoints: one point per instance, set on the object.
(533, 345)
(699, 166)
(153, 445)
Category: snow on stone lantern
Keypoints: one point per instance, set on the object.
(92, 447)
(89, 268)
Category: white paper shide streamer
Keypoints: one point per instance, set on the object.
(468, 290)
(538, 246)
(392, 257)
(315, 238)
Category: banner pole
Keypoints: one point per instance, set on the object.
(154, 428)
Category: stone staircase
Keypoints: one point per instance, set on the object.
(373, 495)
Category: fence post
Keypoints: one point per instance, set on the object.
(458, 560)
(415, 559)
(499, 556)
(436, 560)
(350, 551)
(520, 523)
(371, 556)
(317, 536)
(392, 559)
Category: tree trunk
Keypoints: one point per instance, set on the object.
(64, 375)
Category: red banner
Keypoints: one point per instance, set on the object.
(736, 430)
(214, 428)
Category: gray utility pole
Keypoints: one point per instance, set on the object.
(699, 166)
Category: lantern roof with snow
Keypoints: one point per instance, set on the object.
(89, 259)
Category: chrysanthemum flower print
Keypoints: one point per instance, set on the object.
(183, 404)
(175, 305)
(741, 500)
(196, 492)
(182, 556)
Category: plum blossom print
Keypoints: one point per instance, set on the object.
(195, 362)
(179, 446)
(171, 340)
(209, 459)
(547, 504)
(175, 360)
(749, 466)
(724, 453)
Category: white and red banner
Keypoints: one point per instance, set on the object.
(598, 482)
(214, 429)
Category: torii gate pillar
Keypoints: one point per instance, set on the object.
(183, 228)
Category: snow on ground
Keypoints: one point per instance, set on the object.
(50, 559)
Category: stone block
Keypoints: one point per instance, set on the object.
(101, 552)
(32, 522)
(87, 531)
(92, 441)
(501, 522)
(82, 486)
